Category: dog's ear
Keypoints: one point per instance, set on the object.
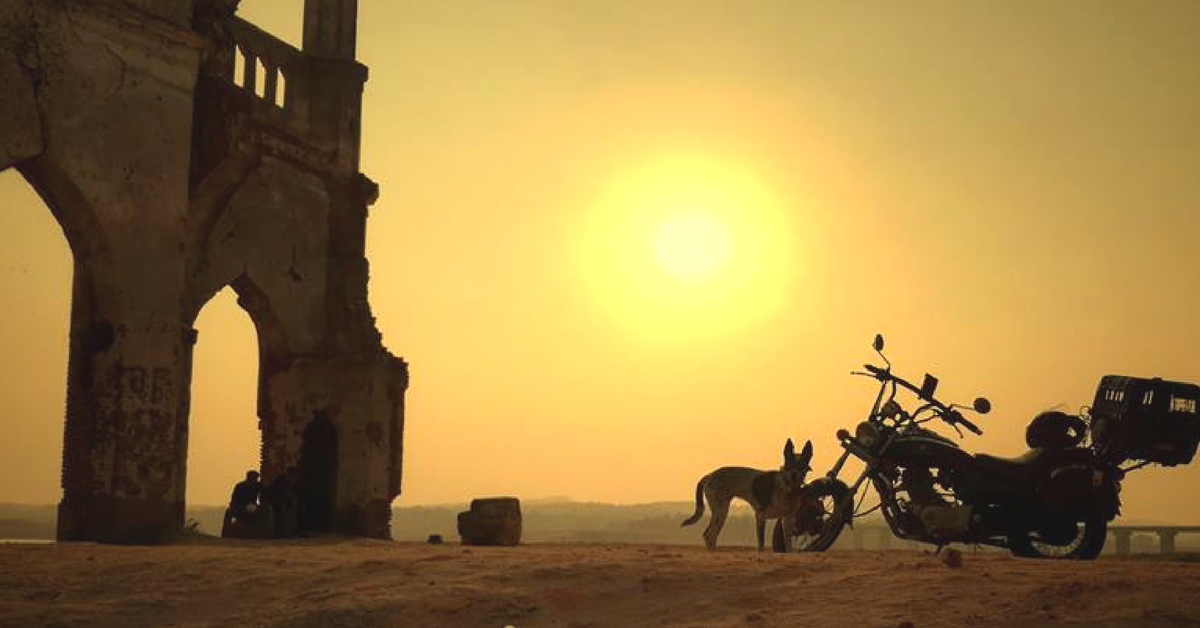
(789, 453)
(806, 453)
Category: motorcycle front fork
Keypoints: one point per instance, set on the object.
(853, 492)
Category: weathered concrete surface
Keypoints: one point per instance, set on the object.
(19, 123)
(20, 127)
(172, 179)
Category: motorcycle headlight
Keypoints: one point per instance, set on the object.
(867, 434)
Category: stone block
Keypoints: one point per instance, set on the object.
(491, 521)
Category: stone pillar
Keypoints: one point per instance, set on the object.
(336, 81)
(1166, 541)
(125, 440)
(330, 28)
(1124, 541)
(115, 105)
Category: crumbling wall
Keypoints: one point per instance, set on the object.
(275, 242)
(364, 398)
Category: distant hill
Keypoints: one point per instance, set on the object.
(556, 520)
(23, 521)
(564, 521)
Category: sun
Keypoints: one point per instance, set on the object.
(691, 246)
(687, 247)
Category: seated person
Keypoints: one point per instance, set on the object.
(243, 503)
(282, 495)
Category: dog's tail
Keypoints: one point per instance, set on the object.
(699, 503)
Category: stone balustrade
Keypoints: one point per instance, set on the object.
(1166, 536)
(269, 70)
(875, 537)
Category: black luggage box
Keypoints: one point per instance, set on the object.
(1150, 420)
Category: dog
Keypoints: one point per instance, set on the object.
(772, 494)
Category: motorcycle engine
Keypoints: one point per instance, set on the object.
(944, 521)
(941, 517)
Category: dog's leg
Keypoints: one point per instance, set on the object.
(720, 509)
(788, 522)
(760, 524)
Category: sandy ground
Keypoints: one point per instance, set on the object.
(375, 583)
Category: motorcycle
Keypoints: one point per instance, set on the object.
(1055, 501)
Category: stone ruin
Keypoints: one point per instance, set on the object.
(491, 521)
(182, 150)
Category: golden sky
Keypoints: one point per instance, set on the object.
(623, 243)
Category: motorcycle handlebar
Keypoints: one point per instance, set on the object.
(948, 414)
(957, 418)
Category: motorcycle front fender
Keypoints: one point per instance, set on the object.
(843, 497)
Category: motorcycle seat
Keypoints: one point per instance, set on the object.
(1025, 468)
(1021, 469)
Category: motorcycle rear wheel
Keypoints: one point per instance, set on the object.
(835, 504)
(1086, 545)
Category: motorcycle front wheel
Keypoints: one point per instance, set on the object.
(1085, 544)
(827, 508)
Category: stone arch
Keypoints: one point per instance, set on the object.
(269, 233)
(273, 344)
(274, 355)
(100, 428)
(273, 351)
(54, 185)
(223, 435)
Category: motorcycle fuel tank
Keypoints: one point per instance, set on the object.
(924, 448)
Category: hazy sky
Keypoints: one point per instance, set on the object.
(623, 243)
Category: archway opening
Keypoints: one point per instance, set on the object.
(35, 284)
(318, 475)
(224, 440)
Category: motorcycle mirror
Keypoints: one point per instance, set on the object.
(878, 344)
(982, 405)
